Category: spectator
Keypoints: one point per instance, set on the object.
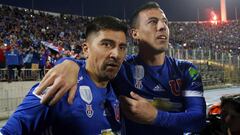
(227, 120)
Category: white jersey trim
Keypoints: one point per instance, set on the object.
(41, 95)
(191, 93)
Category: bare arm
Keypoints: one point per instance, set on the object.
(61, 79)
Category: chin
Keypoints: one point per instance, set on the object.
(109, 76)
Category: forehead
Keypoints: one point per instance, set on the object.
(117, 36)
(153, 12)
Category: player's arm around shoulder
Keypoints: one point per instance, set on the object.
(62, 79)
(28, 115)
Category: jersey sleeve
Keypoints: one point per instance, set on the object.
(192, 119)
(79, 62)
(28, 117)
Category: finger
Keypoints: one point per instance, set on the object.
(46, 76)
(58, 96)
(126, 100)
(136, 96)
(51, 92)
(72, 93)
(43, 85)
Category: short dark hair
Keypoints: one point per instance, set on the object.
(106, 23)
(234, 100)
(148, 5)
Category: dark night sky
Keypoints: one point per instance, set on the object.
(176, 10)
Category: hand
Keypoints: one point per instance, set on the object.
(62, 78)
(138, 109)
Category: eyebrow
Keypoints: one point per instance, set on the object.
(112, 41)
(151, 18)
(155, 18)
(107, 40)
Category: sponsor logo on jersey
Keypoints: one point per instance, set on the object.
(107, 132)
(138, 76)
(89, 110)
(158, 88)
(165, 104)
(80, 79)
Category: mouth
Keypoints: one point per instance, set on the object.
(112, 65)
(162, 37)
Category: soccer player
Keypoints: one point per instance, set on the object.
(95, 108)
(158, 94)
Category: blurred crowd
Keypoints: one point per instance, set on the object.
(29, 38)
(224, 37)
(22, 32)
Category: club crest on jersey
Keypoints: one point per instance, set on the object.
(89, 110)
(86, 94)
(138, 84)
(138, 76)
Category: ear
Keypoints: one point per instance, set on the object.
(85, 49)
(134, 33)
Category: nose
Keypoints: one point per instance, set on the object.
(161, 26)
(115, 53)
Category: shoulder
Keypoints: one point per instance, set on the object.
(130, 58)
(180, 63)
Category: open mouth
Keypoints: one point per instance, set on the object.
(162, 37)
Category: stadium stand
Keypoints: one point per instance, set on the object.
(32, 41)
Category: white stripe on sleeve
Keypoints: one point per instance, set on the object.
(191, 93)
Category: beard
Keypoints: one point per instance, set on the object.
(110, 69)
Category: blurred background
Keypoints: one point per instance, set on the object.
(34, 34)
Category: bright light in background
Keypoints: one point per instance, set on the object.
(185, 44)
(214, 18)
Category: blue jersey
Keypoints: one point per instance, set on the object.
(93, 112)
(175, 88)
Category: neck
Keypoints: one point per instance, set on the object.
(152, 59)
(98, 81)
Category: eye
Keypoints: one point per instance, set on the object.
(153, 21)
(166, 22)
(123, 47)
(106, 44)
